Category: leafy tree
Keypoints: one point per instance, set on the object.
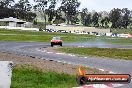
(95, 19)
(6, 3)
(6, 8)
(23, 10)
(23, 5)
(35, 22)
(70, 9)
(51, 14)
(104, 22)
(51, 10)
(58, 17)
(115, 18)
(74, 18)
(130, 19)
(83, 15)
(41, 7)
(126, 17)
(6, 12)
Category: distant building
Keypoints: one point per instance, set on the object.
(14, 22)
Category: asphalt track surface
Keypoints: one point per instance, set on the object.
(32, 49)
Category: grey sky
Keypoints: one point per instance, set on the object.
(103, 5)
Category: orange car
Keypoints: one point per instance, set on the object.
(56, 41)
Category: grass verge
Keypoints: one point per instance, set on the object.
(118, 41)
(30, 77)
(121, 31)
(18, 35)
(125, 54)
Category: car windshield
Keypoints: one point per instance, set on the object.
(56, 38)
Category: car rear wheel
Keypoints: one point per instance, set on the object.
(60, 44)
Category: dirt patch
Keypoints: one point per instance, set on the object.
(45, 65)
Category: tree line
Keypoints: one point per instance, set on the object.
(116, 18)
(21, 10)
(67, 12)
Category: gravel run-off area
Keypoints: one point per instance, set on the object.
(43, 64)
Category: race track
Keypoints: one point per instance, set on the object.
(32, 49)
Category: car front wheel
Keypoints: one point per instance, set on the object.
(52, 45)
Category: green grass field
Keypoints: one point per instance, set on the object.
(18, 35)
(121, 31)
(125, 54)
(30, 77)
(32, 36)
(117, 40)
